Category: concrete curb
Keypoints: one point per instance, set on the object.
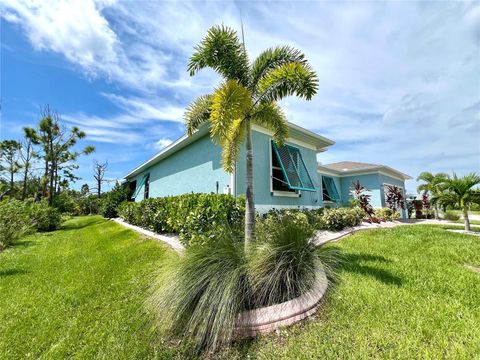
(171, 239)
(254, 322)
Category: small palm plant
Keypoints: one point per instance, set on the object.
(460, 191)
(432, 185)
(248, 94)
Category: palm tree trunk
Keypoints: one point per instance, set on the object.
(250, 202)
(436, 211)
(465, 219)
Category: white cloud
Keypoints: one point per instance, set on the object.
(74, 28)
(147, 109)
(162, 143)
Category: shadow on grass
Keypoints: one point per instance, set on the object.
(355, 263)
(10, 272)
(22, 243)
(77, 224)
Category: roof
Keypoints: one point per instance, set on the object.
(352, 168)
(295, 132)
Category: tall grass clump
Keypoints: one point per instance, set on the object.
(285, 262)
(199, 296)
(203, 292)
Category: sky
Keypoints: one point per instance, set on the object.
(399, 82)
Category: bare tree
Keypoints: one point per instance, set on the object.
(99, 173)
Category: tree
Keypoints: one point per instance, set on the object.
(28, 154)
(248, 94)
(433, 185)
(98, 174)
(57, 142)
(460, 191)
(9, 155)
(85, 189)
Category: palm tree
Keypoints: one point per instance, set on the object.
(433, 185)
(460, 191)
(248, 94)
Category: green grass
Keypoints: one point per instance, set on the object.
(471, 212)
(407, 292)
(78, 292)
(404, 293)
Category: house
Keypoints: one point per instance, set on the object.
(284, 177)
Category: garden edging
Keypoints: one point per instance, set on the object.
(254, 322)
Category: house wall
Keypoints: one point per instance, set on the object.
(264, 199)
(369, 181)
(195, 168)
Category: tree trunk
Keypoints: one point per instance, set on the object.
(99, 188)
(25, 178)
(436, 211)
(44, 180)
(12, 192)
(465, 219)
(250, 202)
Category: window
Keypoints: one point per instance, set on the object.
(279, 183)
(131, 187)
(147, 186)
(329, 190)
(289, 172)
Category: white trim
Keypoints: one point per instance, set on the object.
(285, 193)
(326, 172)
(262, 130)
(359, 172)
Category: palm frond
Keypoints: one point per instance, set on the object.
(197, 113)
(272, 58)
(289, 79)
(231, 145)
(231, 101)
(271, 116)
(222, 51)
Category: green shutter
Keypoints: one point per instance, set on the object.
(331, 188)
(139, 186)
(293, 167)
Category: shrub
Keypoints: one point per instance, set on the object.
(451, 216)
(340, 218)
(90, 205)
(202, 293)
(112, 200)
(199, 296)
(14, 222)
(283, 263)
(195, 217)
(387, 214)
(44, 217)
(65, 202)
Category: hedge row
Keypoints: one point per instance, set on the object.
(195, 217)
(333, 219)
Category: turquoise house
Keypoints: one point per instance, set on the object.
(284, 177)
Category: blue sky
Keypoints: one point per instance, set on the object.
(399, 81)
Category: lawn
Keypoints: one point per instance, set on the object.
(407, 292)
(78, 292)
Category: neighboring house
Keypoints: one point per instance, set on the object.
(284, 177)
